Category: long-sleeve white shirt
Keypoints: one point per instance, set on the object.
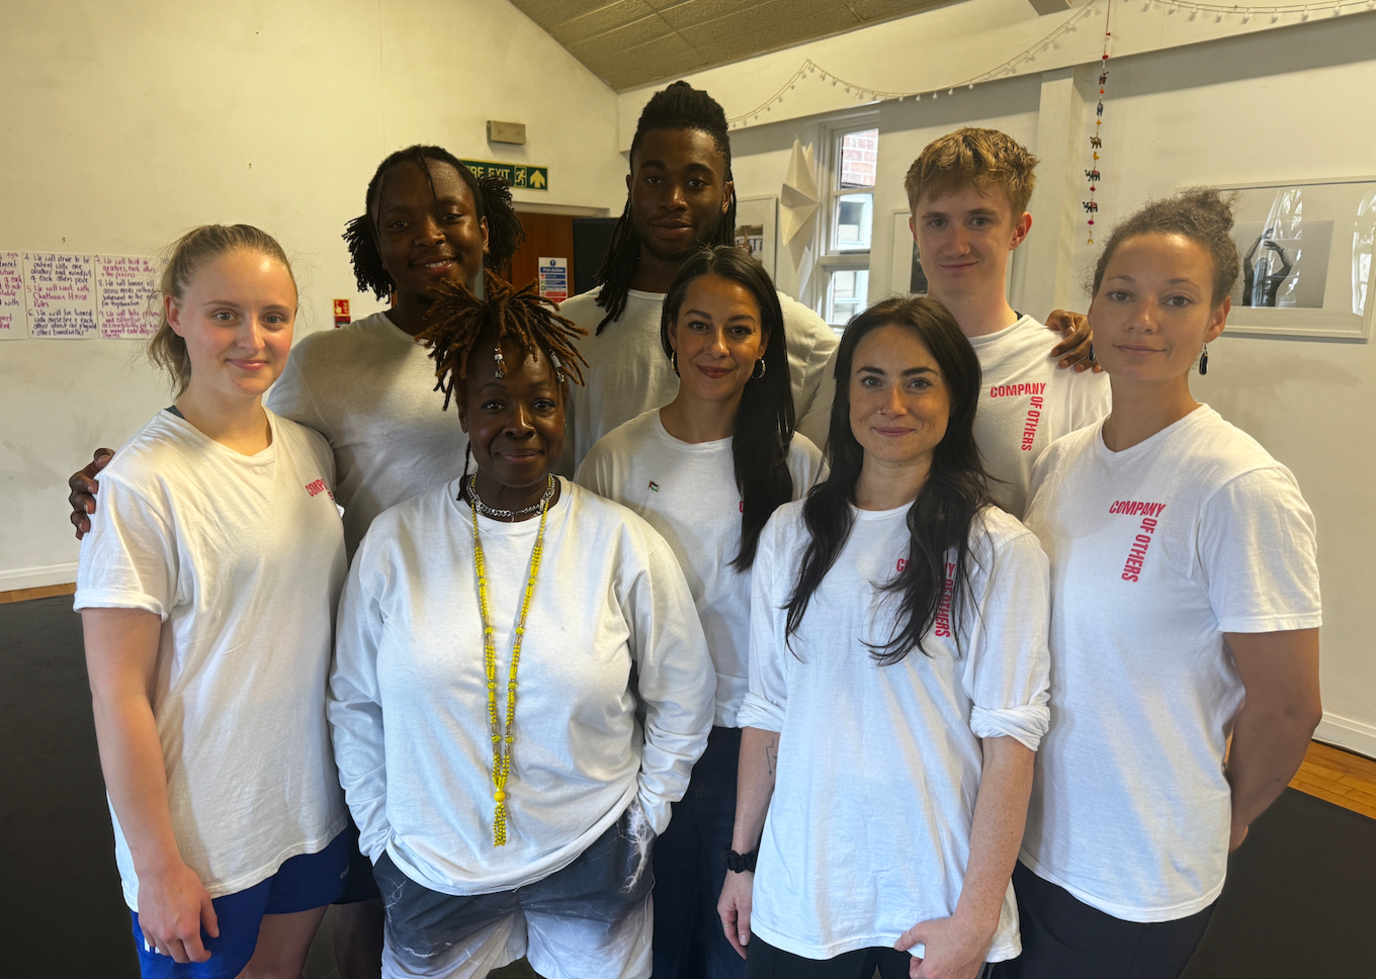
(611, 618)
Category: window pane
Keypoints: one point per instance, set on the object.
(859, 152)
(847, 295)
(853, 220)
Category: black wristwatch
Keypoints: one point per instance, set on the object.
(739, 863)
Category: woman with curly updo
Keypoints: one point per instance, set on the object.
(1185, 612)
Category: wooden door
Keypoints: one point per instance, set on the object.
(547, 236)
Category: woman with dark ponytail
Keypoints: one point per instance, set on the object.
(898, 678)
(707, 470)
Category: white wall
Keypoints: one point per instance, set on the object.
(129, 122)
(1276, 106)
(1189, 101)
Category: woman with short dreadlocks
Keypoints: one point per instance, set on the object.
(485, 717)
(368, 387)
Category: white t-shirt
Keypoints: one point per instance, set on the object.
(688, 493)
(878, 769)
(1026, 402)
(630, 373)
(242, 557)
(368, 387)
(1156, 551)
(408, 695)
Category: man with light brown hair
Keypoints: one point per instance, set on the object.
(968, 192)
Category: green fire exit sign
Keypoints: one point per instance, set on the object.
(516, 174)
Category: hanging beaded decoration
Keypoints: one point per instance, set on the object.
(1096, 141)
(503, 735)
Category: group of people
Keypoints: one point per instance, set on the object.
(936, 651)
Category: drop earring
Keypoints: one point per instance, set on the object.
(1204, 360)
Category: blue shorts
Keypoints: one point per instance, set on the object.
(311, 880)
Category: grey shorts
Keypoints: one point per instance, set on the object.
(592, 918)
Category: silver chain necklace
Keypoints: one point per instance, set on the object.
(494, 514)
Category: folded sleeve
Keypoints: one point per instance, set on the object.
(1259, 554)
(1007, 667)
(676, 682)
(130, 558)
(768, 695)
(354, 704)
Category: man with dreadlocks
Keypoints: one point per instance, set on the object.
(369, 388)
(521, 683)
(680, 195)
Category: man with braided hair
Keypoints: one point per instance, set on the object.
(680, 194)
(521, 683)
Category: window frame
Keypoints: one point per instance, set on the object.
(830, 259)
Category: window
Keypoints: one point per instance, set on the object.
(849, 215)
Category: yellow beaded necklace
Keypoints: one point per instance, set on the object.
(501, 743)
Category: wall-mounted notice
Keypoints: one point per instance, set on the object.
(554, 279)
(128, 289)
(12, 326)
(60, 295)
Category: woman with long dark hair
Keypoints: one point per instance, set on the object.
(707, 470)
(898, 677)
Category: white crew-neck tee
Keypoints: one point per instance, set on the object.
(408, 694)
(868, 830)
(629, 372)
(242, 557)
(687, 491)
(369, 388)
(1156, 552)
(1026, 402)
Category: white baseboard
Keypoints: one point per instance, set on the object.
(1343, 732)
(52, 574)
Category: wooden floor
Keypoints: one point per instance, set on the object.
(1339, 777)
(1332, 774)
(47, 591)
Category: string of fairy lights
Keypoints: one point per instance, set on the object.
(809, 70)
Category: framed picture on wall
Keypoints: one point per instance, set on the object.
(1306, 250)
(757, 228)
(905, 272)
